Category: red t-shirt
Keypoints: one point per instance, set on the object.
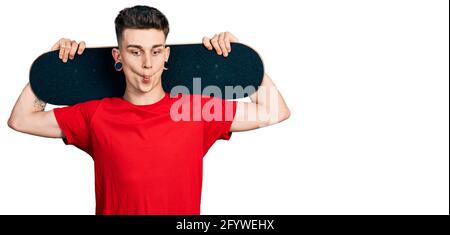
(147, 160)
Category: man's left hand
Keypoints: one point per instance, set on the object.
(220, 42)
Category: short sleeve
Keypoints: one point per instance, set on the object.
(74, 121)
(218, 115)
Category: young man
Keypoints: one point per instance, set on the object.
(145, 161)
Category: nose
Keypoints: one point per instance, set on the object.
(147, 63)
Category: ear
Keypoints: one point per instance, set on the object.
(116, 54)
(167, 49)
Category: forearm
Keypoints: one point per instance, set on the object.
(26, 104)
(270, 99)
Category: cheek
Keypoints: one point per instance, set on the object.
(159, 62)
(130, 65)
(128, 62)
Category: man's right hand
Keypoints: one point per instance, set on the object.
(29, 115)
(68, 48)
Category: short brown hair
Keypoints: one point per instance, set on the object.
(140, 17)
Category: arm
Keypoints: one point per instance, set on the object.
(267, 107)
(28, 115)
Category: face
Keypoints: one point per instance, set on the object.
(142, 54)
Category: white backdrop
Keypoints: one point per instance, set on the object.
(367, 83)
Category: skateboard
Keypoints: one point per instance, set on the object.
(191, 67)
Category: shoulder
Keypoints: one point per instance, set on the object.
(196, 100)
(199, 98)
(86, 108)
(90, 104)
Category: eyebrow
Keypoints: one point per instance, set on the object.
(140, 47)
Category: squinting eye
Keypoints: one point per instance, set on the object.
(136, 52)
(156, 52)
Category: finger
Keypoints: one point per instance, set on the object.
(67, 44)
(214, 42)
(61, 47)
(81, 47)
(222, 44)
(56, 45)
(227, 42)
(207, 43)
(73, 49)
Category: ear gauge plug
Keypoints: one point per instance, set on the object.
(118, 66)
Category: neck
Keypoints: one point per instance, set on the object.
(151, 97)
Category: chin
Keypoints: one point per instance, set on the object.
(146, 89)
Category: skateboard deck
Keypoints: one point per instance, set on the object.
(191, 66)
